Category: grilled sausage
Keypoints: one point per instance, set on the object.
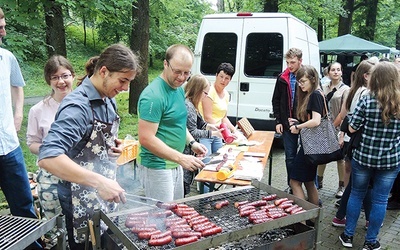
(269, 197)
(211, 231)
(184, 234)
(129, 223)
(160, 241)
(191, 216)
(276, 215)
(184, 241)
(245, 207)
(246, 212)
(253, 217)
(240, 203)
(161, 214)
(185, 211)
(182, 205)
(258, 203)
(147, 234)
(279, 201)
(202, 227)
(143, 229)
(285, 205)
(296, 210)
(180, 228)
(198, 221)
(221, 204)
(177, 222)
(167, 206)
(160, 235)
(289, 209)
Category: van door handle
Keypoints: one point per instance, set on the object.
(244, 86)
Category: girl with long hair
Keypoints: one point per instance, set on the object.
(310, 110)
(377, 158)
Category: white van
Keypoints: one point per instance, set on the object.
(255, 44)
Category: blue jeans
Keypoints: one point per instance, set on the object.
(291, 143)
(14, 183)
(341, 213)
(212, 144)
(382, 182)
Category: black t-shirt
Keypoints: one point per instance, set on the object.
(316, 103)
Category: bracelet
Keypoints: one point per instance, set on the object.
(191, 143)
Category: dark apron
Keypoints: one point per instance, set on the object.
(94, 157)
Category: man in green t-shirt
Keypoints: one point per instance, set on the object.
(162, 129)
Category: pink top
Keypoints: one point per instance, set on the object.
(40, 118)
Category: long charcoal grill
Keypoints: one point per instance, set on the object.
(234, 227)
(18, 233)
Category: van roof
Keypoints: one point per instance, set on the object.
(252, 15)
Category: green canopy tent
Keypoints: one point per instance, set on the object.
(350, 45)
(345, 48)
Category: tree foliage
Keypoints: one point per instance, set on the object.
(104, 22)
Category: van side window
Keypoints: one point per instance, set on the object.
(264, 55)
(218, 48)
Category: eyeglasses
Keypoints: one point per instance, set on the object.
(301, 83)
(179, 72)
(57, 78)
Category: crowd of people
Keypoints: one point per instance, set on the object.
(74, 133)
(368, 174)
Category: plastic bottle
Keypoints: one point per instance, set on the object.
(225, 172)
(226, 133)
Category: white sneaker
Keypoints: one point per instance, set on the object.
(339, 192)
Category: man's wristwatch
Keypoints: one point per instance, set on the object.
(191, 143)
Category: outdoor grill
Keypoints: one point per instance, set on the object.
(235, 228)
(18, 233)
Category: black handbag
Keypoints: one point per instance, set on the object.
(355, 138)
(321, 144)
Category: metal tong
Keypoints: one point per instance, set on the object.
(140, 200)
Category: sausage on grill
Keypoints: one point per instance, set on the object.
(161, 241)
(184, 241)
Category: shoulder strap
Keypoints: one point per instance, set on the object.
(361, 94)
(326, 108)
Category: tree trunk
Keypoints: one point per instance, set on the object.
(139, 44)
(321, 29)
(345, 22)
(398, 38)
(220, 6)
(84, 29)
(370, 19)
(55, 31)
(271, 6)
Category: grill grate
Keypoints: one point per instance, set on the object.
(227, 217)
(13, 229)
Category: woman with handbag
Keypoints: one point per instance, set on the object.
(377, 158)
(310, 109)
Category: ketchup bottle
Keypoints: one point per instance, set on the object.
(226, 133)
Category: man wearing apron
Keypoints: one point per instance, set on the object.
(82, 146)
